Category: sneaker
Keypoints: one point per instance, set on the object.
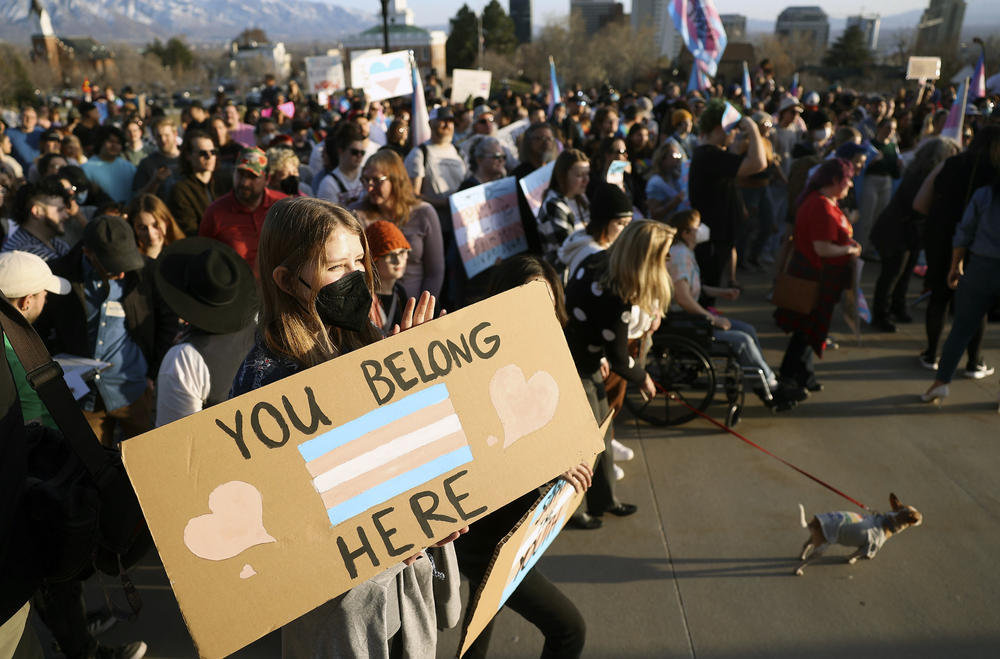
(619, 473)
(620, 452)
(136, 650)
(980, 371)
(831, 344)
(100, 622)
(929, 364)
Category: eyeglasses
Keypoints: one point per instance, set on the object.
(497, 156)
(372, 181)
(208, 154)
(357, 153)
(396, 257)
(620, 152)
(675, 155)
(485, 120)
(543, 138)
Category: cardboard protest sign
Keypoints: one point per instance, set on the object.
(467, 83)
(487, 224)
(385, 76)
(535, 185)
(923, 68)
(325, 74)
(272, 503)
(517, 554)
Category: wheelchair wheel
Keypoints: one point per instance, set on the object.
(680, 367)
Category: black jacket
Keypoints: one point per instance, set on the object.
(149, 321)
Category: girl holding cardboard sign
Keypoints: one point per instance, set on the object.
(317, 288)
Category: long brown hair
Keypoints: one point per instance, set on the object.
(637, 265)
(148, 203)
(403, 200)
(294, 235)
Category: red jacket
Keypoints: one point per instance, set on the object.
(230, 222)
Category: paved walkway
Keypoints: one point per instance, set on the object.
(704, 569)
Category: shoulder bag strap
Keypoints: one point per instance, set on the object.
(46, 378)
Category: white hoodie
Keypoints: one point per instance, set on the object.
(575, 249)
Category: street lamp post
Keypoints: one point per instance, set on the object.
(385, 26)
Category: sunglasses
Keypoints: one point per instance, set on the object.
(208, 154)
(372, 181)
(484, 120)
(357, 153)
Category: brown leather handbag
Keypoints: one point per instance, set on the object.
(795, 294)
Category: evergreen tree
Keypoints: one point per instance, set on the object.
(461, 49)
(498, 29)
(175, 54)
(849, 51)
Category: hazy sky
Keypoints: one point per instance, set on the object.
(436, 12)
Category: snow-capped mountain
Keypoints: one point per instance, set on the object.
(197, 20)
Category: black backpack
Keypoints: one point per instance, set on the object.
(77, 510)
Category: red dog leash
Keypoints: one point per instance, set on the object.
(683, 402)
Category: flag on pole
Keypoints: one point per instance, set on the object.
(420, 127)
(699, 80)
(956, 116)
(978, 85)
(795, 90)
(554, 94)
(746, 86)
(701, 29)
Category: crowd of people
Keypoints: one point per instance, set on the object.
(205, 252)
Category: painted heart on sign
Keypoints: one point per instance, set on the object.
(523, 406)
(385, 67)
(235, 524)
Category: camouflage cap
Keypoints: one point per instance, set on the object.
(252, 160)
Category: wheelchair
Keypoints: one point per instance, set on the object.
(687, 360)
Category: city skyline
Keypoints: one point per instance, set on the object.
(434, 12)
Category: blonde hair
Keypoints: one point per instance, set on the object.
(637, 265)
(388, 163)
(278, 157)
(294, 235)
(148, 203)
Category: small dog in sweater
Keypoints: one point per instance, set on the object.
(866, 532)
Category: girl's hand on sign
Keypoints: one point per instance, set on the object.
(579, 477)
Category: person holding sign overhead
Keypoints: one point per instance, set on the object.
(316, 288)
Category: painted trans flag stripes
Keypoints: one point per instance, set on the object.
(386, 452)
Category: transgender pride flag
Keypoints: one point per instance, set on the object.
(386, 452)
(702, 31)
(554, 96)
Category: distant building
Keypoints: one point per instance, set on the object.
(735, 25)
(67, 56)
(869, 28)
(653, 13)
(427, 45)
(520, 13)
(257, 57)
(939, 28)
(804, 24)
(597, 13)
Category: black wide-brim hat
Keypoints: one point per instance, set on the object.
(208, 284)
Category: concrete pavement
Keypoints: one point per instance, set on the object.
(704, 569)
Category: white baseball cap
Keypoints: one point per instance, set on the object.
(23, 274)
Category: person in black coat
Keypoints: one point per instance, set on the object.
(115, 315)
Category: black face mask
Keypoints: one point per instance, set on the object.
(345, 303)
(290, 185)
